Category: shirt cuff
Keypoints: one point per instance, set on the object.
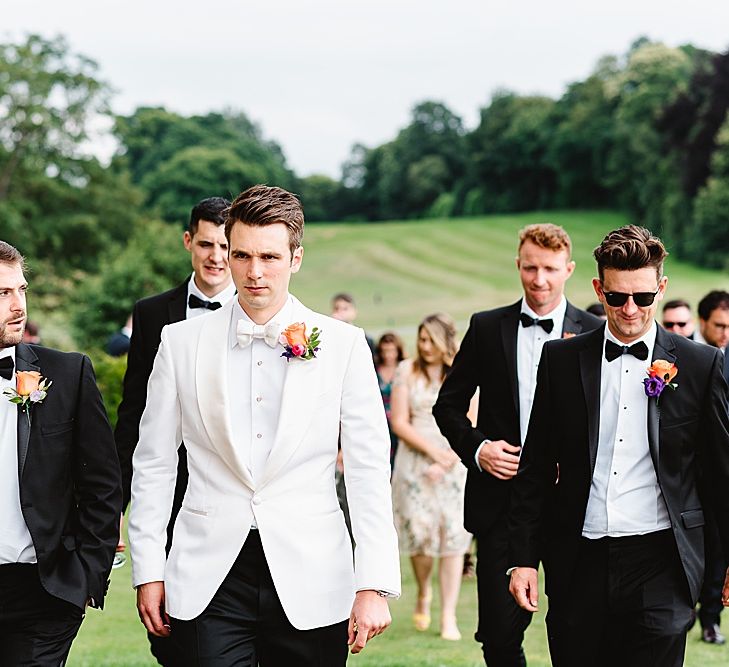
(510, 570)
(478, 451)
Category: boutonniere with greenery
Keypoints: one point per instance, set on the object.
(660, 376)
(30, 389)
(297, 345)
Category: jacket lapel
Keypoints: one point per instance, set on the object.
(297, 399)
(572, 321)
(25, 360)
(212, 387)
(509, 331)
(177, 306)
(663, 349)
(590, 365)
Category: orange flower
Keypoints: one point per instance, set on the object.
(27, 382)
(295, 334)
(569, 334)
(663, 369)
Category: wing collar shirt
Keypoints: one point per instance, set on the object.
(16, 544)
(221, 297)
(625, 498)
(256, 375)
(529, 343)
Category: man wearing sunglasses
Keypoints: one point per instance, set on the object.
(677, 318)
(616, 472)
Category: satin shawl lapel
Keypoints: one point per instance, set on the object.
(211, 385)
(509, 331)
(663, 349)
(572, 321)
(590, 366)
(25, 360)
(302, 385)
(177, 306)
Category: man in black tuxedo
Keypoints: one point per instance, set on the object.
(677, 318)
(60, 492)
(209, 287)
(499, 356)
(617, 467)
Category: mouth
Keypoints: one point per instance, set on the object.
(254, 289)
(214, 269)
(16, 323)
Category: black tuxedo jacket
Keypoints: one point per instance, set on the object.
(149, 317)
(688, 434)
(70, 491)
(487, 361)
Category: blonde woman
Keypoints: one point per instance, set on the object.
(428, 479)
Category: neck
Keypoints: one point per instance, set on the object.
(263, 315)
(544, 309)
(208, 291)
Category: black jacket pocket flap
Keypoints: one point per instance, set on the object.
(56, 427)
(692, 518)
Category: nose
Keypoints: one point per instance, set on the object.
(216, 254)
(629, 308)
(539, 277)
(254, 268)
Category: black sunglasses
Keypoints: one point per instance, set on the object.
(671, 325)
(640, 299)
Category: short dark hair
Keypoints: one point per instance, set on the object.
(344, 296)
(263, 205)
(211, 209)
(11, 255)
(675, 303)
(714, 300)
(628, 249)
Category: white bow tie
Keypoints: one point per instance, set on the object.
(246, 331)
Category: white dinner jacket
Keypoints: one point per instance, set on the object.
(294, 504)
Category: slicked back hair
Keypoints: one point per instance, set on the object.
(263, 205)
(628, 249)
(11, 255)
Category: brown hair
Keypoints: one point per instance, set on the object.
(442, 331)
(264, 205)
(389, 337)
(546, 235)
(11, 255)
(628, 249)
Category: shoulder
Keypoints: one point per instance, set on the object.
(587, 320)
(494, 315)
(329, 328)
(49, 357)
(151, 303)
(692, 351)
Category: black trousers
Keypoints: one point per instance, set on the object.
(628, 604)
(244, 625)
(710, 605)
(36, 628)
(501, 622)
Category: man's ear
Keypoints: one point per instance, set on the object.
(187, 240)
(297, 259)
(597, 286)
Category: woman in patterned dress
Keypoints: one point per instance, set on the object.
(428, 479)
(389, 352)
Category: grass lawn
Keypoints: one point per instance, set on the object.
(116, 638)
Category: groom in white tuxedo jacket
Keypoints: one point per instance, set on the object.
(261, 569)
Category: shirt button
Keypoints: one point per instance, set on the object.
(260, 363)
(259, 435)
(256, 500)
(258, 399)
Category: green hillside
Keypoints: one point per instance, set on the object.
(402, 271)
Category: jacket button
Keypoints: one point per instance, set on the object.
(256, 500)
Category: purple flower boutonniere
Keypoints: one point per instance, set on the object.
(660, 376)
(30, 389)
(297, 345)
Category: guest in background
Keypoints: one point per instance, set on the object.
(118, 343)
(677, 318)
(389, 352)
(597, 310)
(429, 480)
(31, 335)
(345, 309)
(714, 321)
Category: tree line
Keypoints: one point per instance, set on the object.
(646, 132)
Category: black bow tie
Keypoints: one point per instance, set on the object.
(613, 351)
(196, 302)
(527, 321)
(6, 367)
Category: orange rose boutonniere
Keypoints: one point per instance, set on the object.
(660, 376)
(30, 389)
(297, 344)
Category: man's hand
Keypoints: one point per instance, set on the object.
(151, 608)
(524, 587)
(370, 617)
(499, 458)
(725, 590)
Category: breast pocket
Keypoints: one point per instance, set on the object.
(56, 428)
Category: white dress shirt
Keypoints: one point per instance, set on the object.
(625, 498)
(16, 545)
(221, 297)
(529, 344)
(256, 375)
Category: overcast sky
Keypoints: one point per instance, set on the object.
(318, 76)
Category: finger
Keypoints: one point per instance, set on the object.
(510, 449)
(361, 640)
(350, 631)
